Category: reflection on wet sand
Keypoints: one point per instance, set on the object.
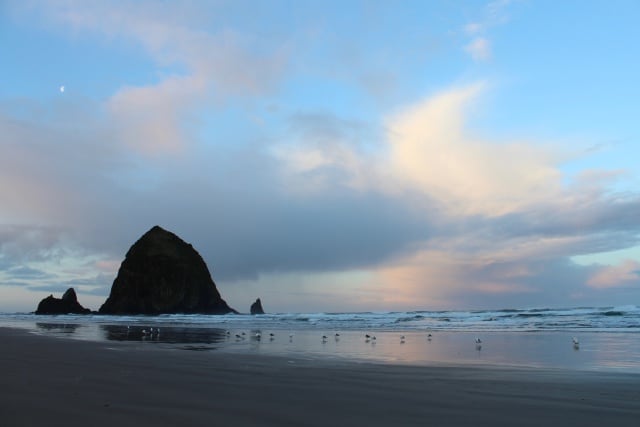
(166, 334)
(65, 328)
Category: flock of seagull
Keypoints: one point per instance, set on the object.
(368, 338)
(155, 333)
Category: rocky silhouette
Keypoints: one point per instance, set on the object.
(68, 304)
(161, 273)
(256, 307)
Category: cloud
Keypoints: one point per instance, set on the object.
(474, 28)
(197, 67)
(495, 13)
(502, 220)
(151, 119)
(431, 152)
(328, 151)
(27, 273)
(413, 208)
(479, 48)
(22, 244)
(625, 274)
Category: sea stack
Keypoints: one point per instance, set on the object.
(256, 307)
(162, 274)
(68, 304)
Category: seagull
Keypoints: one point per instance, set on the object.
(227, 332)
(576, 343)
(337, 334)
(61, 89)
(478, 341)
(258, 335)
(402, 339)
(324, 338)
(373, 337)
(290, 337)
(238, 336)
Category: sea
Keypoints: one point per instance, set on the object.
(578, 338)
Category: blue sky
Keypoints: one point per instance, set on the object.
(325, 156)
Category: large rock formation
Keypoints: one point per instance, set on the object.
(256, 307)
(68, 304)
(161, 273)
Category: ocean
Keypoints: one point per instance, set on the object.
(608, 337)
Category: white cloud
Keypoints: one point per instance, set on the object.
(494, 14)
(474, 28)
(431, 151)
(479, 48)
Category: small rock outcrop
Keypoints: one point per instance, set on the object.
(256, 307)
(68, 304)
(162, 274)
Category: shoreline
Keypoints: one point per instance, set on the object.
(598, 351)
(53, 381)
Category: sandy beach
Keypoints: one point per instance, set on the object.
(55, 381)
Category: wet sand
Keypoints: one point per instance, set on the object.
(54, 381)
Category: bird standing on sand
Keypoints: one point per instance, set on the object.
(324, 339)
(478, 344)
(576, 343)
(402, 339)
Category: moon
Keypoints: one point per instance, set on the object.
(61, 89)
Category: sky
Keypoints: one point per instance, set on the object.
(325, 156)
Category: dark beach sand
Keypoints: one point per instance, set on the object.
(59, 382)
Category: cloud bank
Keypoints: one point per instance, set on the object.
(312, 209)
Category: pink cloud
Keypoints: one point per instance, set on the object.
(624, 274)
